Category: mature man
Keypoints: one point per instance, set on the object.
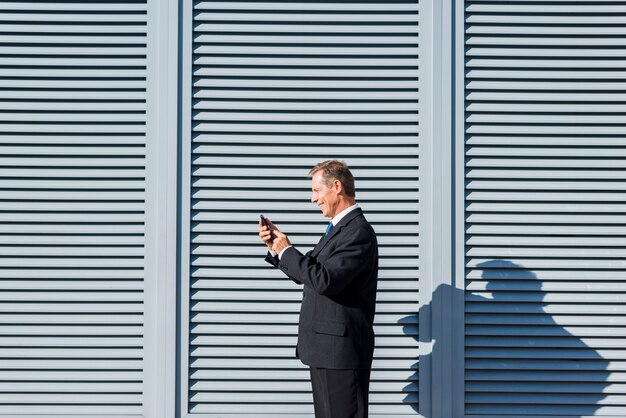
(335, 332)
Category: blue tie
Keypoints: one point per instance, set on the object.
(328, 228)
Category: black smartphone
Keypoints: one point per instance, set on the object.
(265, 223)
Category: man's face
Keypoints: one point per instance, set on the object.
(327, 198)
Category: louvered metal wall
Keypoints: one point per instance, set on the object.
(72, 134)
(278, 87)
(545, 171)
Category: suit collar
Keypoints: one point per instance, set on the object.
(336, 229)
(343, 214)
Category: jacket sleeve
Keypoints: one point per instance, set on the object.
(274, 260)
(329, 277)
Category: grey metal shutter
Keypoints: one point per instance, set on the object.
(278, 87)
(545, 148)
(72, 141)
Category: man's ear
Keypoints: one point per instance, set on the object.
(338, 186)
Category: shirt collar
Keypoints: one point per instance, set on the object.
(343, 213)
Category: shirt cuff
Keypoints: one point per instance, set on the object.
(273, 253)
(283, 251)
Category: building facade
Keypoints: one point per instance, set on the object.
(141, 139)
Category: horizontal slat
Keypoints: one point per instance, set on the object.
(288, 352)
(327, 6)
(276, 330)
(556, 42)
(355, 141)
(544, 376)
(286, 375)
(45, 28)
(284, 117)
(291, 363)
(311, 62)
(545, 387)
(71, 307)
(545, 358)
(242, 295)
(341, 106)
(546, 141)
(545, 342)
(304, 127)
(87, 94)
(120, 411)
(314, 94)
(291, 150)
(545, 331)
(278, 398)
(74, 7)
(70, 139)
(530, 285)
(249, 273)
(311, 27)
(547, 208)
(538, 8)
(551, 219)
(73, 217)
(546, 252)
(217, 284)
(73, 364)
(540, 196)
(547, 174)
(95, 41)
(535, 19)
(35, 83)
(503, 269)
(72, 173)
(347, 52)
(73, 17)
(72, 128)
(58, 251)
(551, 399)
(69, 387)
(307, 17)
(85, 318)
(291, 409)
(291, 386)
(50, 296)
(561, 320)
(305, 161)
(61, 285)
(60, 162)
(547, 308)
(66, 341)
(575, 119)
(284, 318)
(302, 229)
(395, 40)
(290, 341)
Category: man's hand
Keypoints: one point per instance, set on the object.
(281, 241)
(267, 234)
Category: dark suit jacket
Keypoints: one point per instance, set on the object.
(340, 277)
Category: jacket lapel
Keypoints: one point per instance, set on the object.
(335, 231)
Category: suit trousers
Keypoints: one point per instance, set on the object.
(340, 393)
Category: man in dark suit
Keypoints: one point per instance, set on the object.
(335, 332)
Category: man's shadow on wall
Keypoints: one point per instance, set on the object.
(518, 359)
